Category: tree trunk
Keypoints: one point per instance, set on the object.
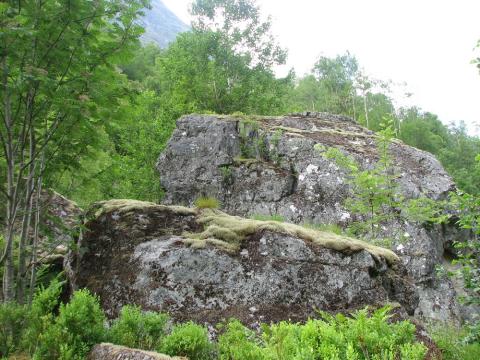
(27, 216)
(7, 257)
(366, 108)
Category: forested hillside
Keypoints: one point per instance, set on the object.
(90, 95)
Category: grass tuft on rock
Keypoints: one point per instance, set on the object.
(207, 203)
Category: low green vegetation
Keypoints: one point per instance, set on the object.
(190, 340)
(68, 331)
(375, 196)
(455, 343)
(207, 203)
(137, 329)
(274, 217)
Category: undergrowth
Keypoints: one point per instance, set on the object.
(50, 330)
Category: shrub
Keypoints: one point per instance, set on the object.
(239, 343)
(340, 337)
(137, 329)
(41, 314)
(12, 323)
(79, 326)
(207, 203)
(190, 340)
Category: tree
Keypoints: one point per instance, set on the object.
(336, 80)
(241, 28)
(56, 58)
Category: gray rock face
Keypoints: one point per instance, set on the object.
(115, 352)
(273, 166)
(138, 255)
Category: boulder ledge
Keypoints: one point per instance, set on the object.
(205, 265)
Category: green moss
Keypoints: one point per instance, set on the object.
(125, 206)
(229, 232)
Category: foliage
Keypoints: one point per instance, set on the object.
(137, 329)
(451, 341)
(58, 77)
(227, 175)
(469, 249)
(207, 203)
(190, 340)
(241, 27)
(238, 342)
(335, 337)
(41, 314)
(78, 326)
(374, 193)
(12, 323)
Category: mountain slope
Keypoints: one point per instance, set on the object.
(161, 24)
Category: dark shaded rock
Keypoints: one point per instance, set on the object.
(116, 352)
(154, 256)
(285, 174)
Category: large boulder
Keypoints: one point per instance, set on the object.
(273, 166)
(205, 265)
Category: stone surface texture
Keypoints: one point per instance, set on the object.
(138, 255)
(273, 166)
(115, 352)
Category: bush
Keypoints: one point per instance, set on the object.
(190, 340)
(137, 329)
(13, 318)
(79, 326)
(207, 203)
(41, 315)
(339, 337)
(239, 343)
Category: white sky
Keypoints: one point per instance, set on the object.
(427, 43)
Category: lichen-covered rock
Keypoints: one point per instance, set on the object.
(59, 216)
(272, 166)
(116, 352)
(207, 266)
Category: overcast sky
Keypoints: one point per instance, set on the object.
(426, 43)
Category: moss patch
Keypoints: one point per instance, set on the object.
(227, 232)
(126, 206)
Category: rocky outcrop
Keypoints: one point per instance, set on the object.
(205, 265)
(273, 166)
(59, 216)
(115, 352)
